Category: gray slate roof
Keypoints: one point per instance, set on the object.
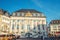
(55, 22)
(24, 11)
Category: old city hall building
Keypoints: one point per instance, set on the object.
(24, 22)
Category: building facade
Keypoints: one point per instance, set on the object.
(55, 28)
(4, 22)
(24, 22)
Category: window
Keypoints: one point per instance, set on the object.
(22, 26)
(38, 27)
(34, 20)
(34, 27)
(54, 26)
(28, 27)
(13, 20)
(52, 32)
(17, 20)
(17, 26)
(58, 29)
(43, 21)
(58, 26)
(22, 14)
(13, 14)
(13, 26)
(43, 27)
(6, 14)
(43, 33)
(3, 18)
(34, 14)
(18, 14)
(38, 20)
(38, 14)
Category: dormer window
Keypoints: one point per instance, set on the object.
(22, 14)
(18, 14)
(42, 14)
(6, 14)
(14, 14)
(38, 14)
(34, 14)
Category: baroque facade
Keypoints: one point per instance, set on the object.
(24, 22)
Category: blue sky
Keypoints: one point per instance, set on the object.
(51, 8)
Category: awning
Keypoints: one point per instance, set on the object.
(57, 32)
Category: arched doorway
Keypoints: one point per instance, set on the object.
(5, 28)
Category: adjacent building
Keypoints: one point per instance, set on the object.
(4, 22)
(24, 22)
(54, 28)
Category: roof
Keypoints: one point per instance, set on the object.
(55, 22)
(25, 11)
(3, 12)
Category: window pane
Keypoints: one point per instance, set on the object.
(34, 27)
(17, 20)
(18, 14)
(38, 14)
(54, 26)
(43, 27)
(13, 26)
(34, 15)
(17, 26)
(22, 26)
(28, 27)
(13, 14)
(13, 20)
(22, 14)
(38, 27)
